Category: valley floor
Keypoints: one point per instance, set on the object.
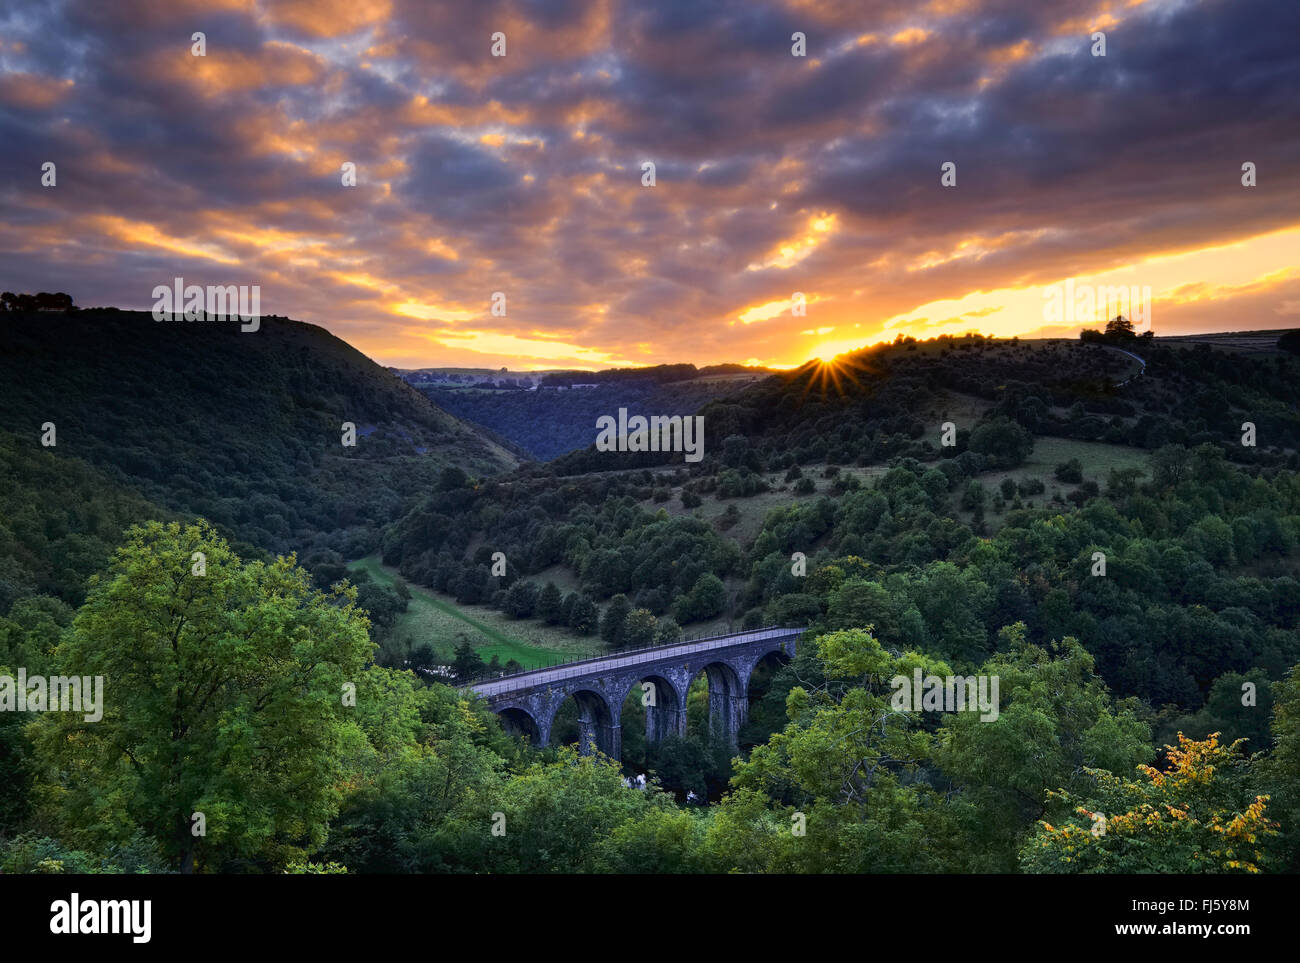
(439, 620)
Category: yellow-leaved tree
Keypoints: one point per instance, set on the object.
(1200, 815)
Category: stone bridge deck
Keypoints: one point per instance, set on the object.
(528, 701)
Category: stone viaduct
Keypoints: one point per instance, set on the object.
(528, 701)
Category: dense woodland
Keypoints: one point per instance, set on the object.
(952, 559)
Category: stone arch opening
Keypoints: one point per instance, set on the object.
(586, 718)
(518, 722)
(762, 720)
(760, 676)
(727, 701)
(664, 712)
(652, 711)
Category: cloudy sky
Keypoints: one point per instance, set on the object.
(774, 173)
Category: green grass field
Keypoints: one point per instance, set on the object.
(1097, 458)
(438, 620)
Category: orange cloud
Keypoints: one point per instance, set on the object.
(222, 72)
(141, 234)
(326, 18)
(32, 91)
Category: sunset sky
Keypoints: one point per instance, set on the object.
(775, 173)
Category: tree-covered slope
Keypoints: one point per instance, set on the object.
(892, 399)
(60, 519)
(243, 428)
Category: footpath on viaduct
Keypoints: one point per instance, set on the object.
(528, 701)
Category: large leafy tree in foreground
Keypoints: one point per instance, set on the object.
(841, 789)
(1056, 720)
(224, 689)
(558, 817)
(886, 790)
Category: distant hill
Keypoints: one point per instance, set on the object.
(890, 399)
(557, 413)
(467, 377)
(201, 418)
